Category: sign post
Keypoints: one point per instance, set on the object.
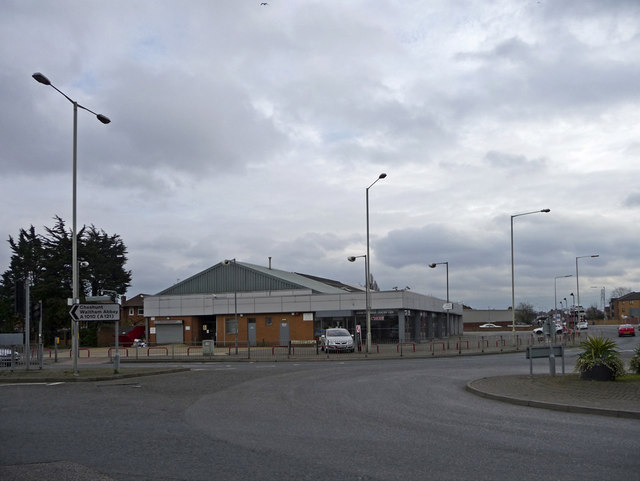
(99, 312)
(95, 312)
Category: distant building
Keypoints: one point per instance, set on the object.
(131, 315)
(626, 308)
(132, 311)
(265, 306)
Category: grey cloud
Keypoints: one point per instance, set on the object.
(632, 200)
(513, 161)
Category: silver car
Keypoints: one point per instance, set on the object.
(337, 339)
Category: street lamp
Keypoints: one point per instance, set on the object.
(577, 277)
(555, 290)
(227, 262)
(367, 260)
(513, 291)
(74, 237)
(433, 265)
(603, 298)
(366, 296)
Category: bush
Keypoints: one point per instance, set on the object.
(600, 351)
(89, 336)
(635, 361)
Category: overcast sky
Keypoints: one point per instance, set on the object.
(247, 131)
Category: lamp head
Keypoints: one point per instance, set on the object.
(545, 210)
(104, 119)
(41, 78)
(382, 176)
(351, 258)
(432, 265)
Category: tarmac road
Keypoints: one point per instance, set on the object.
(361, 420)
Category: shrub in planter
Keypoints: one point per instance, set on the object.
(599, 360)
(635, 361)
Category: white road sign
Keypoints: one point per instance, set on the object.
(95, 312)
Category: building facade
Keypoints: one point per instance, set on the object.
(236, 302)
(626, 308)
(132, 311)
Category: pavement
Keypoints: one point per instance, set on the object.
(566, 392)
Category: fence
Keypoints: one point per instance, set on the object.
(306, 350)
(296, 350)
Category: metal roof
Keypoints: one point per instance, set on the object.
(236, 276)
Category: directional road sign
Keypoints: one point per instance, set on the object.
(95, 312)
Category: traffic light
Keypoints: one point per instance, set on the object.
(18, 296)
(36, 310)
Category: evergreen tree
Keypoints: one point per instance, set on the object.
(46, 261)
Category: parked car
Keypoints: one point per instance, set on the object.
(539, 331)
(129, 335)
(5, 356)
(626, 330)
(488, 325)
(337, 339)
(583, 325)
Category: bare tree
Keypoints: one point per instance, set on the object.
(619, 292)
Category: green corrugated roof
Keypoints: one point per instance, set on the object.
(245, 277)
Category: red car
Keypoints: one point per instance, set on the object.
(626, 330)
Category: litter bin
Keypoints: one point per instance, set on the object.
(207, 347)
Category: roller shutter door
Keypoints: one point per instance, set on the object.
(169, 332)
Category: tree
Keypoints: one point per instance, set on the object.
(25, 266)
(106, 256)
(46, 260)
(619, 292)
(594, 313)
(525, 314)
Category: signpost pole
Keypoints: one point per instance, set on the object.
(116, 357)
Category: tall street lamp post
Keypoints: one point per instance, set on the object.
(74, 238)
(555, 290)
(603, 298)
(578, 278)
(235, 300)
(367, 304)
(513, 291)
(448, 307)
(367, 262)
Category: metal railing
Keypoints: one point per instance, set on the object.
(295, 350)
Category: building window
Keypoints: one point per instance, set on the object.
(131, 311)
(268, 321)
(230, 326)
(141, 311)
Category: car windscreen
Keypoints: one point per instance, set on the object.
(338, 333)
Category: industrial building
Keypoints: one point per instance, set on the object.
(237, 302)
